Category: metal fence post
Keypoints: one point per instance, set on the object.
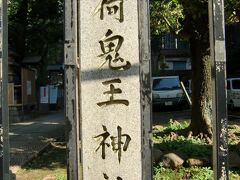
(71, 89)
(145, 78)
(218, 55)
(4, 92)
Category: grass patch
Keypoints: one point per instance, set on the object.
(192, 147)
(195, 173)
(183, 173)
(166, 139)
(51, 163)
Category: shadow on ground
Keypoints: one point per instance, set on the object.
(51, 158)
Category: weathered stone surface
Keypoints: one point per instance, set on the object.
(234, 159)
(111, 117)
(172, 160)
(201, 161)
(157, 155)
(194, 162)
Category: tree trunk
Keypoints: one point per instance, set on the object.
(22, 23)
(201, 89)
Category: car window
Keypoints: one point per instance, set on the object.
(166, 84)
(228, 84)
(236, 84)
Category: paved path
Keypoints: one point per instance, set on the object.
(27, 139)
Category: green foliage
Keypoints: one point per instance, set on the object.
(204, 173)
(175, 125)
(36, 29)
(166, 140)
(165, 11)
(194, 173)
(192, 147)
(232, 11)
(183, 14)
(170, 127)
(60, 175)
(34, 24)
(13, 8)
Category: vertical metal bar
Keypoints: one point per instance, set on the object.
(5, 117)
(218, 55)
(1, 128)
(71, 90)
(1, 53)
(145, 80)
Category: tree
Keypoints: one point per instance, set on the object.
(188, 19)
(17, 13)
(36, 28)
(36, 22)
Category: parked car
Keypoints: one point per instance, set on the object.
(166, 91)
(233, 92)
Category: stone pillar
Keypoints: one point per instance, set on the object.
(220, 121)
(114, 90)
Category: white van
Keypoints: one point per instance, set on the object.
(166, 91)
(233, 92)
